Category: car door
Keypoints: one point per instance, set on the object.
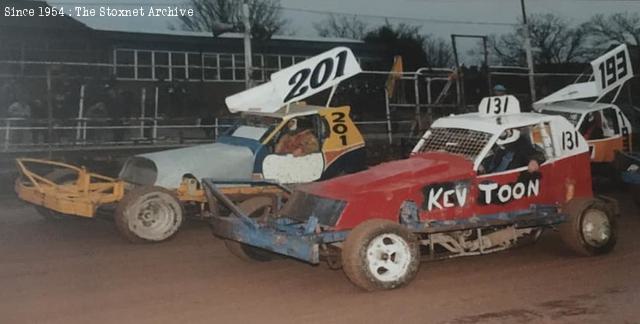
(343, 145)
(603, 149)
(291, 168)
(516, 188)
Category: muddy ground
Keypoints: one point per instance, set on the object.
(81, 271)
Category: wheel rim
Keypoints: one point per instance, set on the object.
(155, 217)
(388, 257)
(596, 229)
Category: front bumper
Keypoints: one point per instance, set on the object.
(297, 239)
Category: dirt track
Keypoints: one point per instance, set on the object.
(82, 271)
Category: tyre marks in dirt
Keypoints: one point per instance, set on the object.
(577, 308)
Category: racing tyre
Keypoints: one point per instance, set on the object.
(590, 228)
(149, 214)
(58, 176)
(379, 254)
(256, 207)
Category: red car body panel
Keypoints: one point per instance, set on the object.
(445, 187)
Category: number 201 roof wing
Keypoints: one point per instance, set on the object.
(297, 82)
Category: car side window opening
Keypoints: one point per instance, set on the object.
(298, 137)
(591, 127)
(253, 127)
(610, 125)
(515, 148)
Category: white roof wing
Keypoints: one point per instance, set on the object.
(579, 107)
(489, 124)
(297, 82)
(571, 92)
(610, 71)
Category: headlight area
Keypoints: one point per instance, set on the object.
(302, 205)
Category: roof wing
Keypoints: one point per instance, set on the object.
(610, 71)
(297, 82)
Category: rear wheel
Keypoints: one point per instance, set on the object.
(590, 228)
(379, 254)
(60, 177)
(257, 207)
(149, 214)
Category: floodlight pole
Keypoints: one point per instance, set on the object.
(247, 46)
(527, 46)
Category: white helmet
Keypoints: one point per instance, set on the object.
(292, 124)
(508, 136)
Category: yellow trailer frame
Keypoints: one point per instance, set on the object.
(88, 191)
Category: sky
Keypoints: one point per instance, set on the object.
(479, 17)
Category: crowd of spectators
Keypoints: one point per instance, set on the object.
(28, 103)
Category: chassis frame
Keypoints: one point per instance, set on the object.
(307, 241)
(89, 191)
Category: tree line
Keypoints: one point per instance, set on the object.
(555, 39)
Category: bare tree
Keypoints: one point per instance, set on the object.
(553, 40)
(439, 52)
(402, 39)
(619, 28)
(265, 16)
(417, 50)
(342, 26)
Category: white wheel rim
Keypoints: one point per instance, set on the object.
(596, 229)
(388, 257)
(155, 217)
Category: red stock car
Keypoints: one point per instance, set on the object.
(475, 184)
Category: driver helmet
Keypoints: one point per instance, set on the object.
(508, 136)
(292, 125)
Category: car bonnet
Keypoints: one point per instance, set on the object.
(219, 161)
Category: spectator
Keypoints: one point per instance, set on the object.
(499, 90)
(39, 117)
(19, 109)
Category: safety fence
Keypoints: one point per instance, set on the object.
(415, 100)
(33, 135)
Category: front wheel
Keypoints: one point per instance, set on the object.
(257, 208)
(590, 228)
(149, 214)
(380, 254)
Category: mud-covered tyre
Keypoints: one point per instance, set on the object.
(380, 254)
(149, 214)
(256, 207)
(590, 228)
(58, 176)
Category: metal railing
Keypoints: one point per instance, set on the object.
(25, 134)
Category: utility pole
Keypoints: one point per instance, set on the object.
(248, 65)
(527, 47)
